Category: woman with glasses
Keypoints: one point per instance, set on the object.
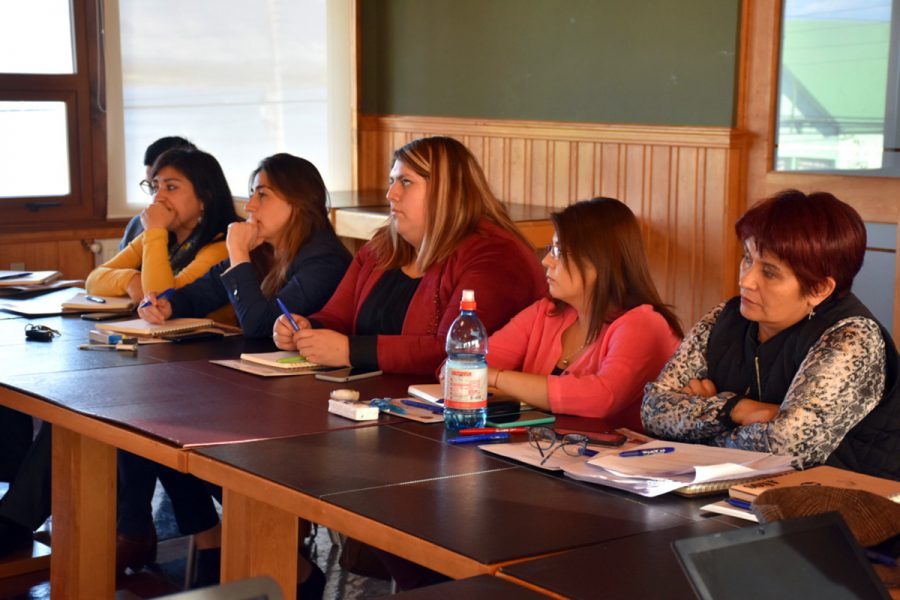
(590, 347)
(286, 251)
(447, 232)
(184, 229)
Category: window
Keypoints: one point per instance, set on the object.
(838, 98)
(52, 166)
(241, 79)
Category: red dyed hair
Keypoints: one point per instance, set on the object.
(818, 236)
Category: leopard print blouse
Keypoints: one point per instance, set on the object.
(839, 382)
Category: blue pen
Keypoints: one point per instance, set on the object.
(647, 452)
(164, 294)
(435, 409)
(739, 503)
(287, 314)
(488, 437)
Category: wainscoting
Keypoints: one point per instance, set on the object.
(66, 251)
(685, 184)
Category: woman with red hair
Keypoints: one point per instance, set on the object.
(795, 364)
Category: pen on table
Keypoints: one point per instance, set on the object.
(287, 314)
(882, 559)
(15, 275)
(435, 409)
(121, 347)
(96, 299)
(487, 437)
(481, 430)
(739, 503)
(647, 452)
(163, 294)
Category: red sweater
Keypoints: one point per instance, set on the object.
(608, 379)
(504, 273)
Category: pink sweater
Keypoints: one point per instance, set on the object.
(607, 380)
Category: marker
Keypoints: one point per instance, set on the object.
(435, 409)
(96, 299)
(647, 452)
(472, 439)
(163, 294)
(287, 314)
(739, 503)
(480, 430)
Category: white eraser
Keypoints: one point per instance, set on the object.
(353, 410)
(345, 394)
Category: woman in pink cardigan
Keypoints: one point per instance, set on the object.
(603, 333)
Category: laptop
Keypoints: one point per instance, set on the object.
(809, 557)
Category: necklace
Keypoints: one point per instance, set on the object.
(568, 358)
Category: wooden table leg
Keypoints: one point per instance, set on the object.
(258, 539)
(83, 563)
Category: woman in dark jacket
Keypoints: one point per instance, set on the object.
(796, 364)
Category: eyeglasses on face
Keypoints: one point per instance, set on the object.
(148, 187)
(554, 251)
(548, 442)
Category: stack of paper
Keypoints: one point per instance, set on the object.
(656, 474)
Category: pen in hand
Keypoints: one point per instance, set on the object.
(163, 294)
(287, 314)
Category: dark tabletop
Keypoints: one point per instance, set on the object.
(640, 566)
(482, 587)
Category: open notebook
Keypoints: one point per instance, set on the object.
(142, 328)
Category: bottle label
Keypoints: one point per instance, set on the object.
(466, 389)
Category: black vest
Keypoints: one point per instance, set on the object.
(873, 445)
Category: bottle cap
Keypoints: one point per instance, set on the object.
(468, 300)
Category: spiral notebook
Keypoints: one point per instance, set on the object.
(142, 328)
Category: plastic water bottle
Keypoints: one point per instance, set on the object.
(465, 372)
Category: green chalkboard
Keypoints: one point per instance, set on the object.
(669, 62)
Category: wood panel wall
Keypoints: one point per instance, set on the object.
(685, 184)
(65, 251)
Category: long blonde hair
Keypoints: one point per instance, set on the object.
(459, 197)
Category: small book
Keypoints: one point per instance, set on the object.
(14, 278)
(722, 507)
(93, 303)
(430, 392)
(280, 360)
(266, 371)
(142, 328)
(824, 475)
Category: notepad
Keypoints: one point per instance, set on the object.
(280, 360)
(80, 303)
(142, 328)
(14, 278)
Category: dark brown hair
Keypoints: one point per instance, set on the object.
(297, 181)
(604, 233)
(817, 235)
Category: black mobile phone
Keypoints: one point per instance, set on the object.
(193, 336)
(346, 374)
(104, 316)
(602, 438)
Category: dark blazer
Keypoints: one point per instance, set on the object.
(312, 277)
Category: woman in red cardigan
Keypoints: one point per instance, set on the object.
(603, 333)
(447, 232)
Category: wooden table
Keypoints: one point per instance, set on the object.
(397, 486)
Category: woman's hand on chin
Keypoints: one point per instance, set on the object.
(241, 239)
(157, 216)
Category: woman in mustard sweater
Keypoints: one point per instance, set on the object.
(184, 229)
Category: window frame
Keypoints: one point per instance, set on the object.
(82, 93)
